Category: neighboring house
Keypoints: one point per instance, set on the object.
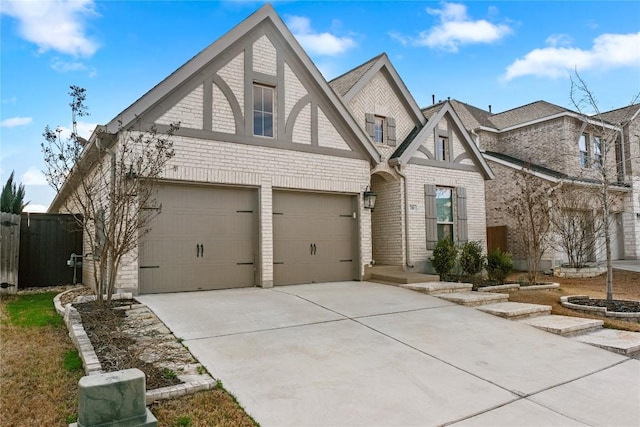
(560, 147)
(266, 187)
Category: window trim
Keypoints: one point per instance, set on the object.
(262, 111)
(451, 223)
(584, 153)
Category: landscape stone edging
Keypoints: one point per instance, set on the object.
(602, 311)
(517, 287)
(90, 360)
(579, 273)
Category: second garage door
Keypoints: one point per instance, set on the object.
(314, 237)
(204, 238)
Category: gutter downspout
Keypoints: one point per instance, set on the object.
(406, 215)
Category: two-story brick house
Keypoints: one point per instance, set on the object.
(272, 165)
(560, 147)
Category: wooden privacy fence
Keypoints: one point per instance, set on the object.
(497, 238)
(9, 250)
(46, 243)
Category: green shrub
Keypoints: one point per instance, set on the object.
(471, 258)
(499, 265)
(444, 258)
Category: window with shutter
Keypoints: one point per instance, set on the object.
(431, 216)
(369, 124)
(391, 131)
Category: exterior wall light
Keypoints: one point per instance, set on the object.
(369, 198)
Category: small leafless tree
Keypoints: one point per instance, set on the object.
(530, 209)
(575, 225)
(109, 183)
(605, 173)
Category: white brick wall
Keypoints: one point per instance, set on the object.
(222, 115)
(387, 221)
(233, 76)
(264, 56)
(302, 128)
(328, 136)
(418, 176)
(188, 111)
(378, 97)
(293, 90)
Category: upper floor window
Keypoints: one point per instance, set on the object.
(263, 110)
(597, 152)
(584, 150)
(442, 148)
(381, 129)
(378, 129)
(444, 210)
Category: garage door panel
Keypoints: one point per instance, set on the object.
(204, 238)
(313, 237)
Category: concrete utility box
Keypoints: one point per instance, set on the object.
(114, 399)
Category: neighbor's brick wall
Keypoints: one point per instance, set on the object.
(418, 176)
(387, 221)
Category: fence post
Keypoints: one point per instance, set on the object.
(9, 252)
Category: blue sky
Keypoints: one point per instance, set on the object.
(503, 53)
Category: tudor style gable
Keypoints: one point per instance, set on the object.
(380, 103)
(443, 142)
(255, 86)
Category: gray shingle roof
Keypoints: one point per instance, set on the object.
(621, 115)
(342, 84)
(526, 113)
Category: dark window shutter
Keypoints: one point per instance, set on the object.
(431, 216)
(369, 124)
(391, 131)
(461, 204)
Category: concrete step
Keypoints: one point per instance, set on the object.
(564, 325)
(403, 277)
(432, 288)
(623, 342)
(516, 310)
(473, 299)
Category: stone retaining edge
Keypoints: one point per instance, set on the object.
(602, 311)
(91, 363)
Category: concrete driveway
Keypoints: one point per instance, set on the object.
(359, 353)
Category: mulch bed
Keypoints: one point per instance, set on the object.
(616, 305)
(113, 347)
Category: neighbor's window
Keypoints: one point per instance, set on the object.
(444, 208)
(378, 129)
(262, 110)
(584, 153)
(597, 152)
(442, 148)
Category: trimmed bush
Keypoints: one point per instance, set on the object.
(499, 265)
(471, 258)
(444, 258)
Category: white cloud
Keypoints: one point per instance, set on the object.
(15, 121)
(456, 28)
(608, 51)
(84, 130)
(318, 43)
(64, 66)
(54, 24)
(33, 176)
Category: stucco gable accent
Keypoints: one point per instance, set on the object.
(406, 151)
